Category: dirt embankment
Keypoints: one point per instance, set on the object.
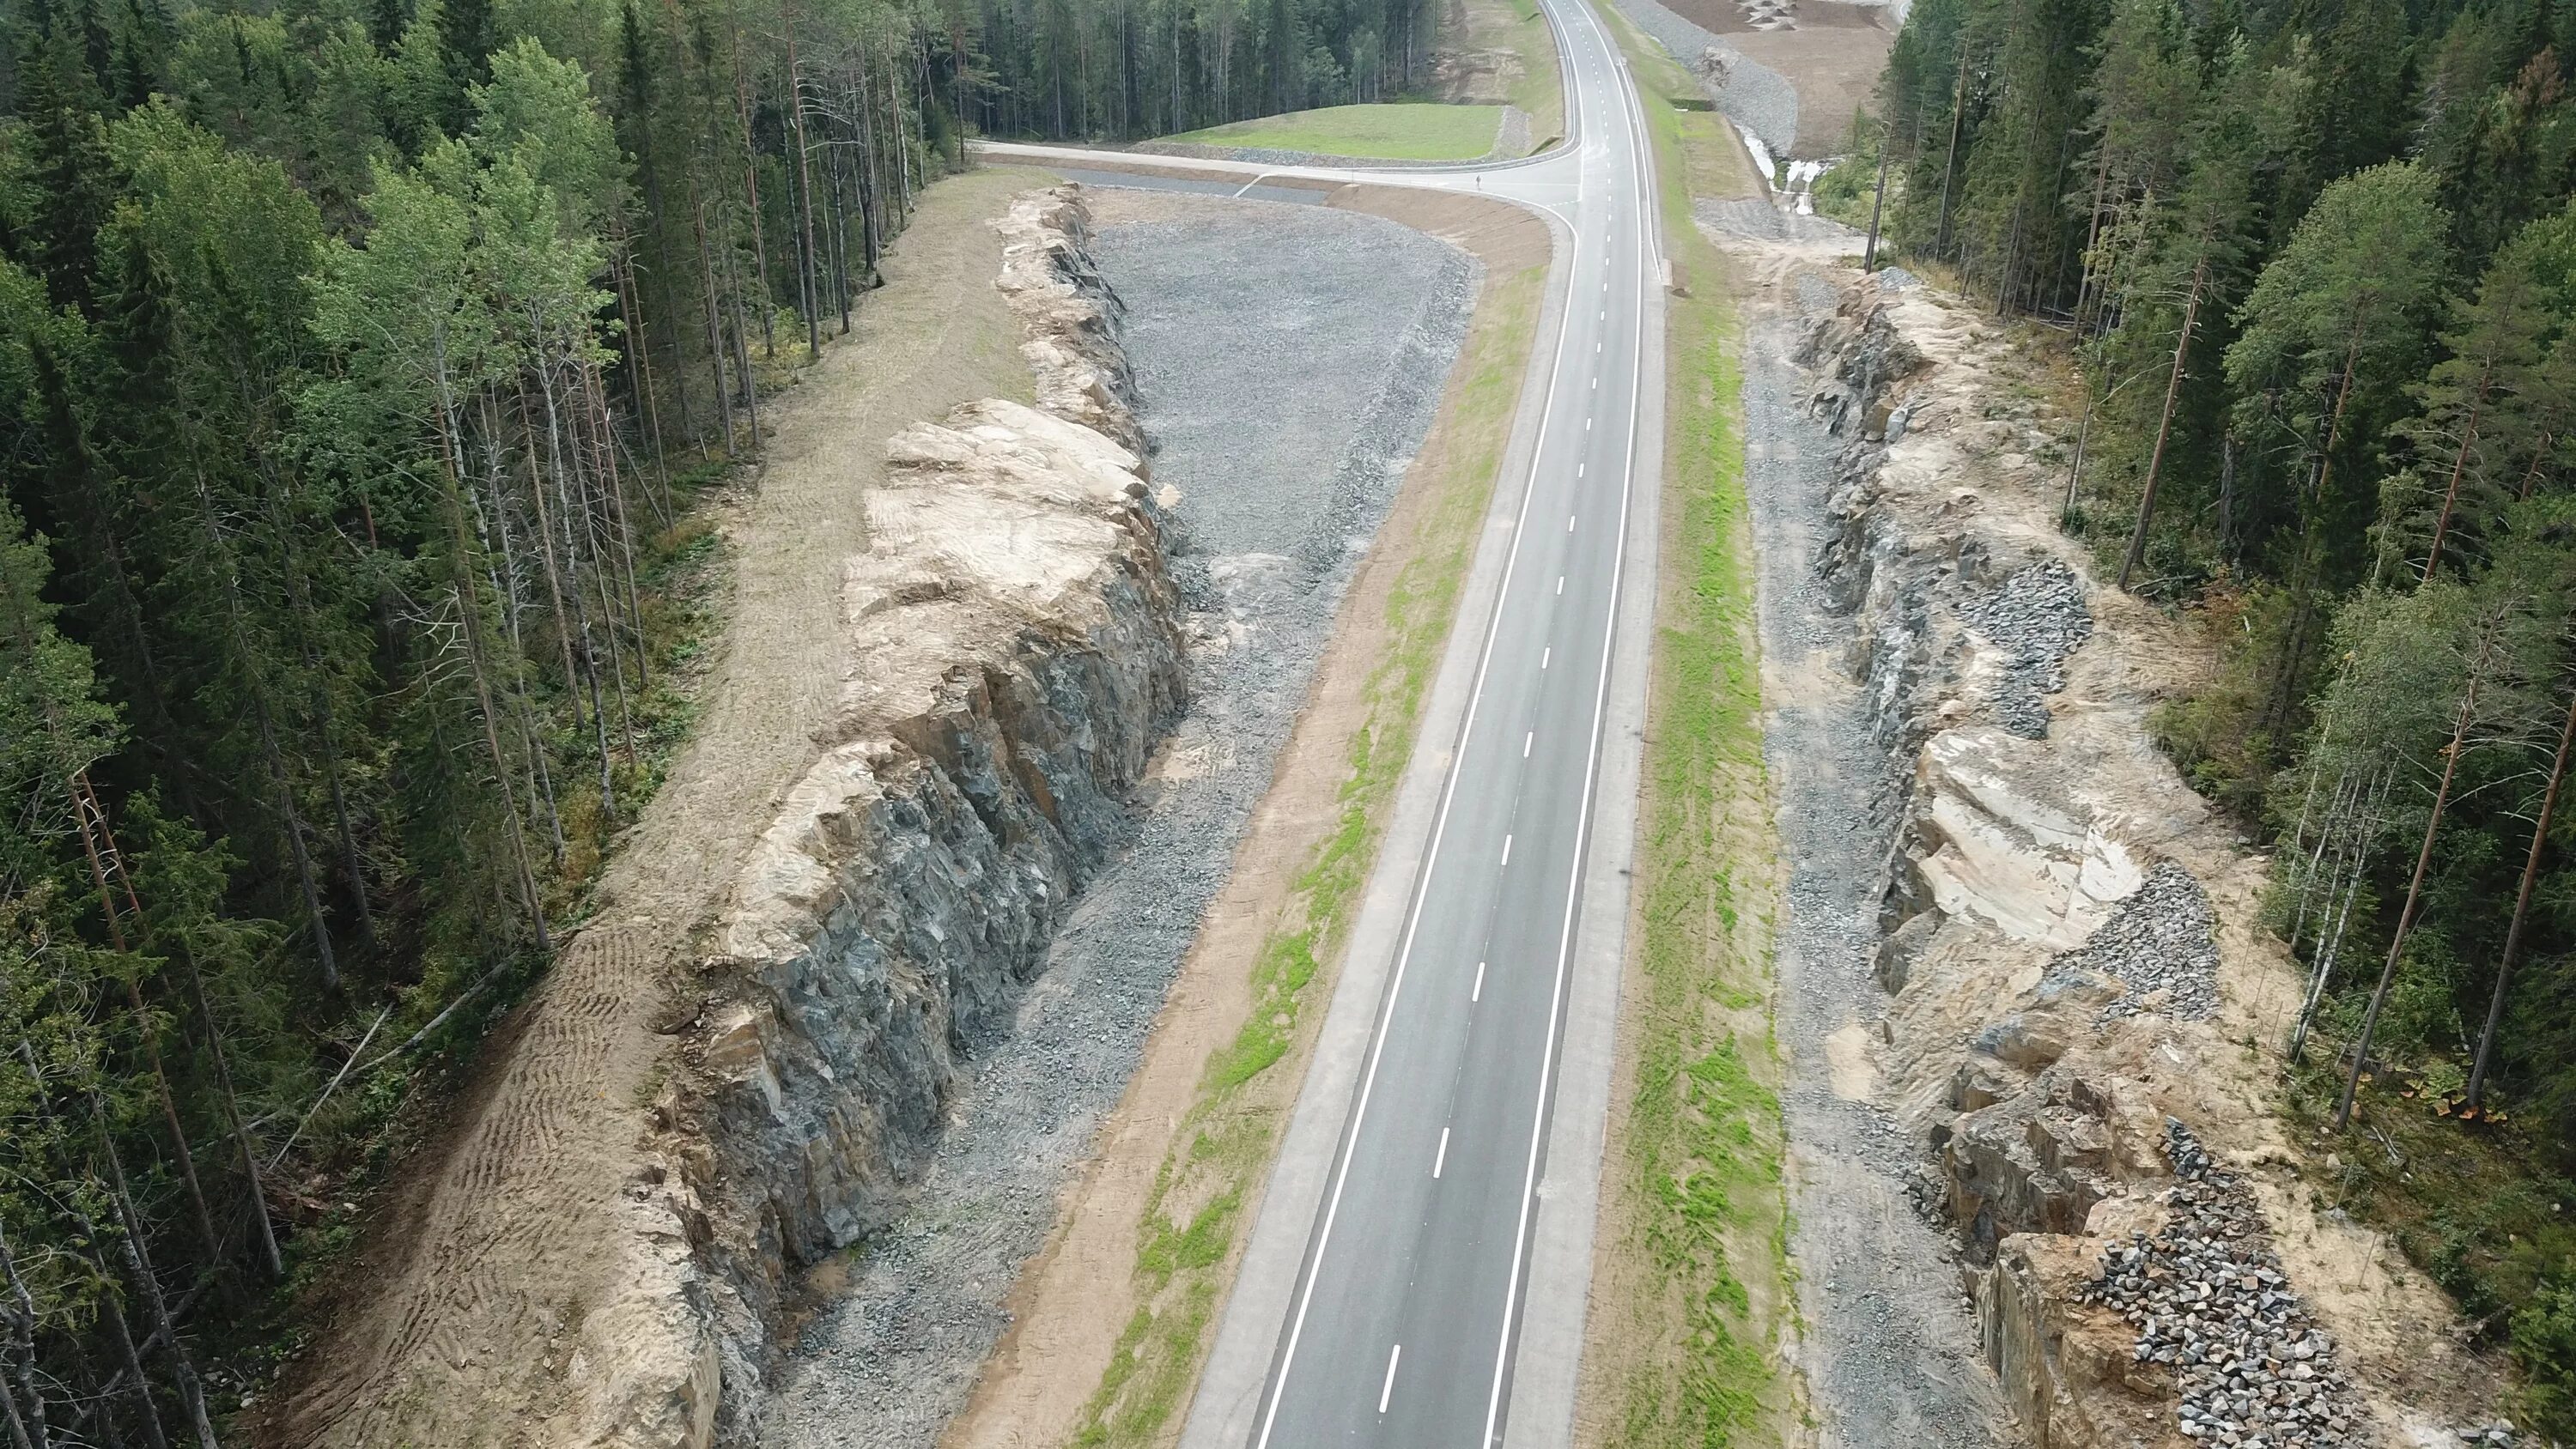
(951, 655)
(2065, 1052)
(1790, 72)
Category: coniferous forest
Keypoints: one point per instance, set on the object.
(2315, 265)
(360, 363)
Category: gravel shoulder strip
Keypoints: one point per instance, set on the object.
(1286, 414)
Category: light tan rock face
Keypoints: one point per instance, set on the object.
(1014, 657)
(2070, 940)
(1069, 313)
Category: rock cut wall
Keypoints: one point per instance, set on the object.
(2070, 948)
(1014, 656)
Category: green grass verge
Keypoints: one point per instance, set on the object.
(1698, 1156)
(1403, 131)
(1540, 87)
(1195, 1216)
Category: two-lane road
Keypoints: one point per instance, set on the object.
(1408, 1244)
(1403, 1330)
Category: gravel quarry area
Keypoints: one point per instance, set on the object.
(1288, 362)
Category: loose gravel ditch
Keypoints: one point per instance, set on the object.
(1889, 1349)
(1289, 360)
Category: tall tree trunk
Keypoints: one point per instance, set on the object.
(715, 326)
(2459, 468)
(751, 190)
(804, 193)
(1950, 167)
(27, 1398)
(1877, 205)
(2415, 884)
(138, 1263)
(470, 625)
(2521, 912)
(327, 722)
(19, 1437)
(121, 1334)
(232, 1113)
(2164, 425)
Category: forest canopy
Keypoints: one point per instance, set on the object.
(359, 363)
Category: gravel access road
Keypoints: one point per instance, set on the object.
(1289, 360)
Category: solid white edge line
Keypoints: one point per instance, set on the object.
(1440, 1159)
(1583, 817)
(1387, 1390)
(1278, 1382)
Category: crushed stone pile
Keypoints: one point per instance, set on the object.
(2209, 1300)
(2037, 617)
(2161, 944)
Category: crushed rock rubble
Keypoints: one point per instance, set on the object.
(2209, 1300)
(2162, 946)
(2037, 617)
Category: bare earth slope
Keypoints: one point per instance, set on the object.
(522, 1224)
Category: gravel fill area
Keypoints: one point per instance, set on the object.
(2161, 943)
(2209, 1300)
(1288, 361)
(1755, 96)
(1889, 1348)
(2037, 617)
(1763, 219)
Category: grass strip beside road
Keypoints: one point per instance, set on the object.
(1194, 1225)
(1694, 1298)
(1540, 87)
(1400, 131)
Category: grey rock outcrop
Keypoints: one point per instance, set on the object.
(2047, 929)
(1015, 654)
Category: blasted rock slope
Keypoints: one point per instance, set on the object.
(2069, 1029)
(1011, 652)
(1016, 653)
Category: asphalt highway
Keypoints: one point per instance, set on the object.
(1413, 1277)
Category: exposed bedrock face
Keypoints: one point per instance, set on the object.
(1015, 655)
(2046, 943)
